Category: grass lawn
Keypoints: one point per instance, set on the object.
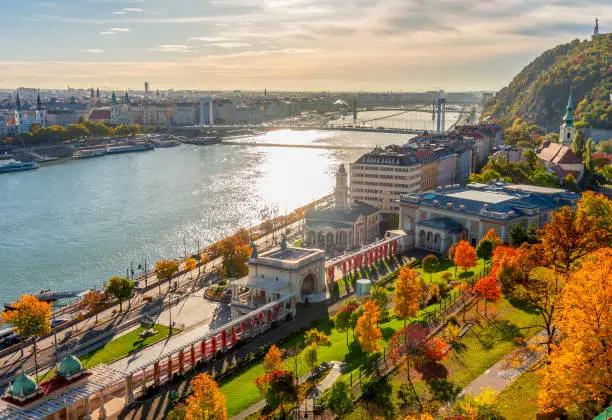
(520, 400)
(243, 385)
(116, 349)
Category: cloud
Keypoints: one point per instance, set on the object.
(107, 33)
(207, 38)
(172, 48)
(126, 10)
(231, 44)
(119, 29)
(93, 51)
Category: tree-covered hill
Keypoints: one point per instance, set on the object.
(539, 92)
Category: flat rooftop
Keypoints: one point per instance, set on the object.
(290, 254)
(534, 189)
(482, 196)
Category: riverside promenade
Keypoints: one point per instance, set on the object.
(95, 330)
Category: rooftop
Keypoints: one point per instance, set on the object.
(289, 254)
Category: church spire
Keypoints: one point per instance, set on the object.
(596, 30)
(113, 98)
(38, 102)
(17, 102)
(568, 118)
(126, 98)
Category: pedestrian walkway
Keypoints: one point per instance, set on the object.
(504, 372)
(322, 386)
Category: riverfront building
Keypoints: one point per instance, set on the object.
(381, 176)
(347, 225)
(291, 273)
(434, 220)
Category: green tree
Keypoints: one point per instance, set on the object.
(311, 356)
(430, 265)
(588, 156)
(381, 298)
(340, 400)
(120, 288)
(570, 183)
(314, 336)
(517, 235)
(484, 249)
(543, 178)
(579, 144)
(343, 320)
(532, 158)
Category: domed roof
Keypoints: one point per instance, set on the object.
(70, 366)
(24, 386)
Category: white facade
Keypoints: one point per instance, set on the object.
(25, 119)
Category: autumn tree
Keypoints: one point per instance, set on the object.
(410, 348)
(206, 402)
(409, 292)
(235, 252)
(492, 236)
(430, 265)
(578, 376)
(487, 289)
(311, 356)
(120, 288)
(518, 235)
(190, 265)
(165, 269)
(367, 331)
(30, 318)
(465, 256)
(273, 360)
(381, 297)
(597, 206)
(92, 301)
(314, 336)
(569, 236)
(343, 319)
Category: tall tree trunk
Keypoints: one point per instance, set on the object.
(416, 394)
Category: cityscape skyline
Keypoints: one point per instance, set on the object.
(286, 45)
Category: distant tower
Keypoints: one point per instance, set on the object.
(596, 30)
(113, 98)
(265, 91)
(98, 93)
(355, 111)
(146, 90)
(17, 102)
(41, 114)
(441, 110)
(342, 190)
(126, 98)
(567, 131)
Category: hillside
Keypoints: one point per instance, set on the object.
(539, 92)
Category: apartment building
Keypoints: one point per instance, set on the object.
(381, 176)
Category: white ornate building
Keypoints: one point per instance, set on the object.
(298, 273)
(346, 225)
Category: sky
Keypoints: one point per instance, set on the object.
(290, 45)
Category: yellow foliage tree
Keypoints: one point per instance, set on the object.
(30, 318)
(409, 291)
(165, 269)
(367, 331)
(273, 360)
(190, 265)
(579, 371)
(206, 402)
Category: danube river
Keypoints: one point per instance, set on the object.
(72, 225)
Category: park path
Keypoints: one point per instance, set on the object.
(503, 373)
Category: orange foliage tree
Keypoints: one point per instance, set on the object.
(487, 289)
(206, 402)
(235, 252)
(190, 265)
(165, 269)
(30, 318)
(409, 292)
(492, 236)
(465, 256)
(367, 330)
(410, 348)
(569, 236)
(578, 375)
(273, 360)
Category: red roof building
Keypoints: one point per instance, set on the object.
(561, 160)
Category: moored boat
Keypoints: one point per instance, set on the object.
(8, 164)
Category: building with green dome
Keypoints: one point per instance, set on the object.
(70, 367)
(24, 388)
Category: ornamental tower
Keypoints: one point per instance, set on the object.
(567, 131)
(342, 191)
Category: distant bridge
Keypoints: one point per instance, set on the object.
(299, 146)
